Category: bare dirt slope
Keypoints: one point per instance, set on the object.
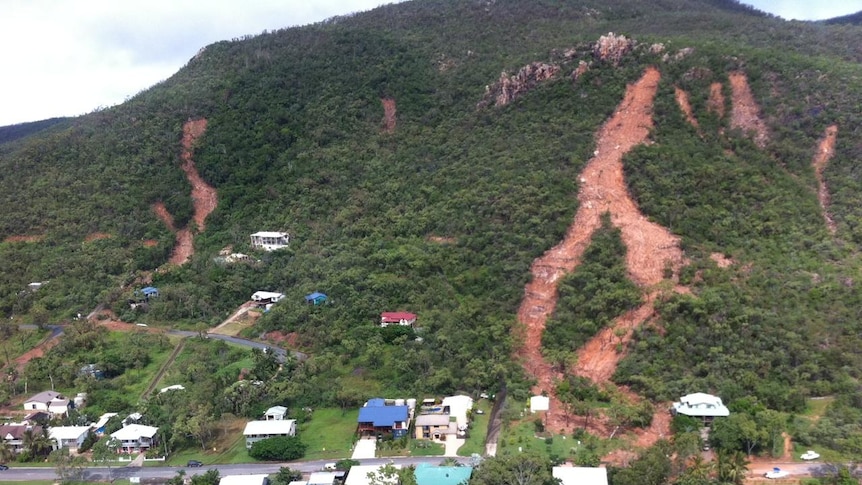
(204, 196)
(716, 99)
(745, 114)
(825, 151)
(650, 247)
(685, 106)
(389, 117)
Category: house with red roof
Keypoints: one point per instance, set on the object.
(397, 318)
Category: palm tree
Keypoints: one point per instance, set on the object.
(6, 452)
(38, 443)
(732, 467)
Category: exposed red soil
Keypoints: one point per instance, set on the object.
(109, 320)
(716, 99)
(442, 239)
(96, 236)
(292, 338)
(388, 115)
(825, 151)
(24, 238)
(37, 351)
(204, 196)
(685, 106)
(651, 248)
(788, 448)
(721, 260)
(745, 114)
(151, 243)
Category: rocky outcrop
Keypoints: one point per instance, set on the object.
(508, 88)
(612, 48)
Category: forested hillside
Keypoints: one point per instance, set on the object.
(379, 141)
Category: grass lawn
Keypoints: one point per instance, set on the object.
(426, 448)
(478, 430)
(19, 343)
(228, 447)
(816, 407)
(521, 435)
(329, 433)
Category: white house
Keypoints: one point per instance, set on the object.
(71, 437)
(576, 475)
(267, 296)
(13, 435)
(99, 426)
(50, 401)
(701, 405)
(275, 413)
(358, 475)
(244, 480)
(269, 241)
(135, 438)
(261, 430)
(457, 407)
(324, 478)
(540, 403)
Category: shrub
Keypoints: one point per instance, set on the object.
(280, 448)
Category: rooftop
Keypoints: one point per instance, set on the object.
(269, 427)
(427, 474)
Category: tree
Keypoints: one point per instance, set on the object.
(69, 468)
(732, 466)
(285, 475)
(521, 469)
(6, 452)
(346, 464)
(210, 477)
(652, 467)
(105, 452)
(281, 448)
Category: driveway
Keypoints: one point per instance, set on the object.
(452, 445)
(365, 448)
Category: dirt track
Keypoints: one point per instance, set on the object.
(389, 117)
(685, 106)
(825, 151)
(650, 249)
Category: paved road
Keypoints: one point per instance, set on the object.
(279, 352)
(104, 473)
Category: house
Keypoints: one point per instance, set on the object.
(261, 430)
(13, 435)
(577, 475)
(701, 405)
(52, 402)
(99, 426)
(540, 403)
(147, 292)
(136, 438)
(275, 413)
(397, 318)
(315, 298)
(175, 387)
(324, 478)
(376, 417)
(269, 241)
(428, 474)
(433, 426)
(91, 370)
(71, 437)
(358, 475)
(458, 407)
(264, 297)
(244, 480)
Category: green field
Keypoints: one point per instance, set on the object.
(478, 430)
(329, 434)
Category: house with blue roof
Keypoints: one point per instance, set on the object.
(428, 474)
(315, 298)
(147, 292)
(376, 418)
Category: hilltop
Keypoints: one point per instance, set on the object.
(614, 203)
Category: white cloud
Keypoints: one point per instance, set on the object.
(806, 9)
(68, 57)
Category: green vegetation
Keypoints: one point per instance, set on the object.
(444, 216)
(280, 448)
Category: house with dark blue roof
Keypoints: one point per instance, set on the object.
(315, 298)
(376, 417)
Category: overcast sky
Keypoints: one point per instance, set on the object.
(69, 57)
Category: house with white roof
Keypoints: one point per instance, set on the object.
(701, 405)
(270, 241)
(257, 479)
(71, 437)
(358, 475)
(136, 438)
(458, 407)
(540, 403)
(261, 430)
(51, 401)
(275, 413)
(578, 475)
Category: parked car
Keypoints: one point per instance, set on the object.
(4, 467)
(776, 473)
(810, 455)
(194, 464)
(329, 467)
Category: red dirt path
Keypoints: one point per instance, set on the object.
(650, 249)
(389, 117)
(716, 99)
(24, 238)
(825, 151)
(745, 114)
(685, 106)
